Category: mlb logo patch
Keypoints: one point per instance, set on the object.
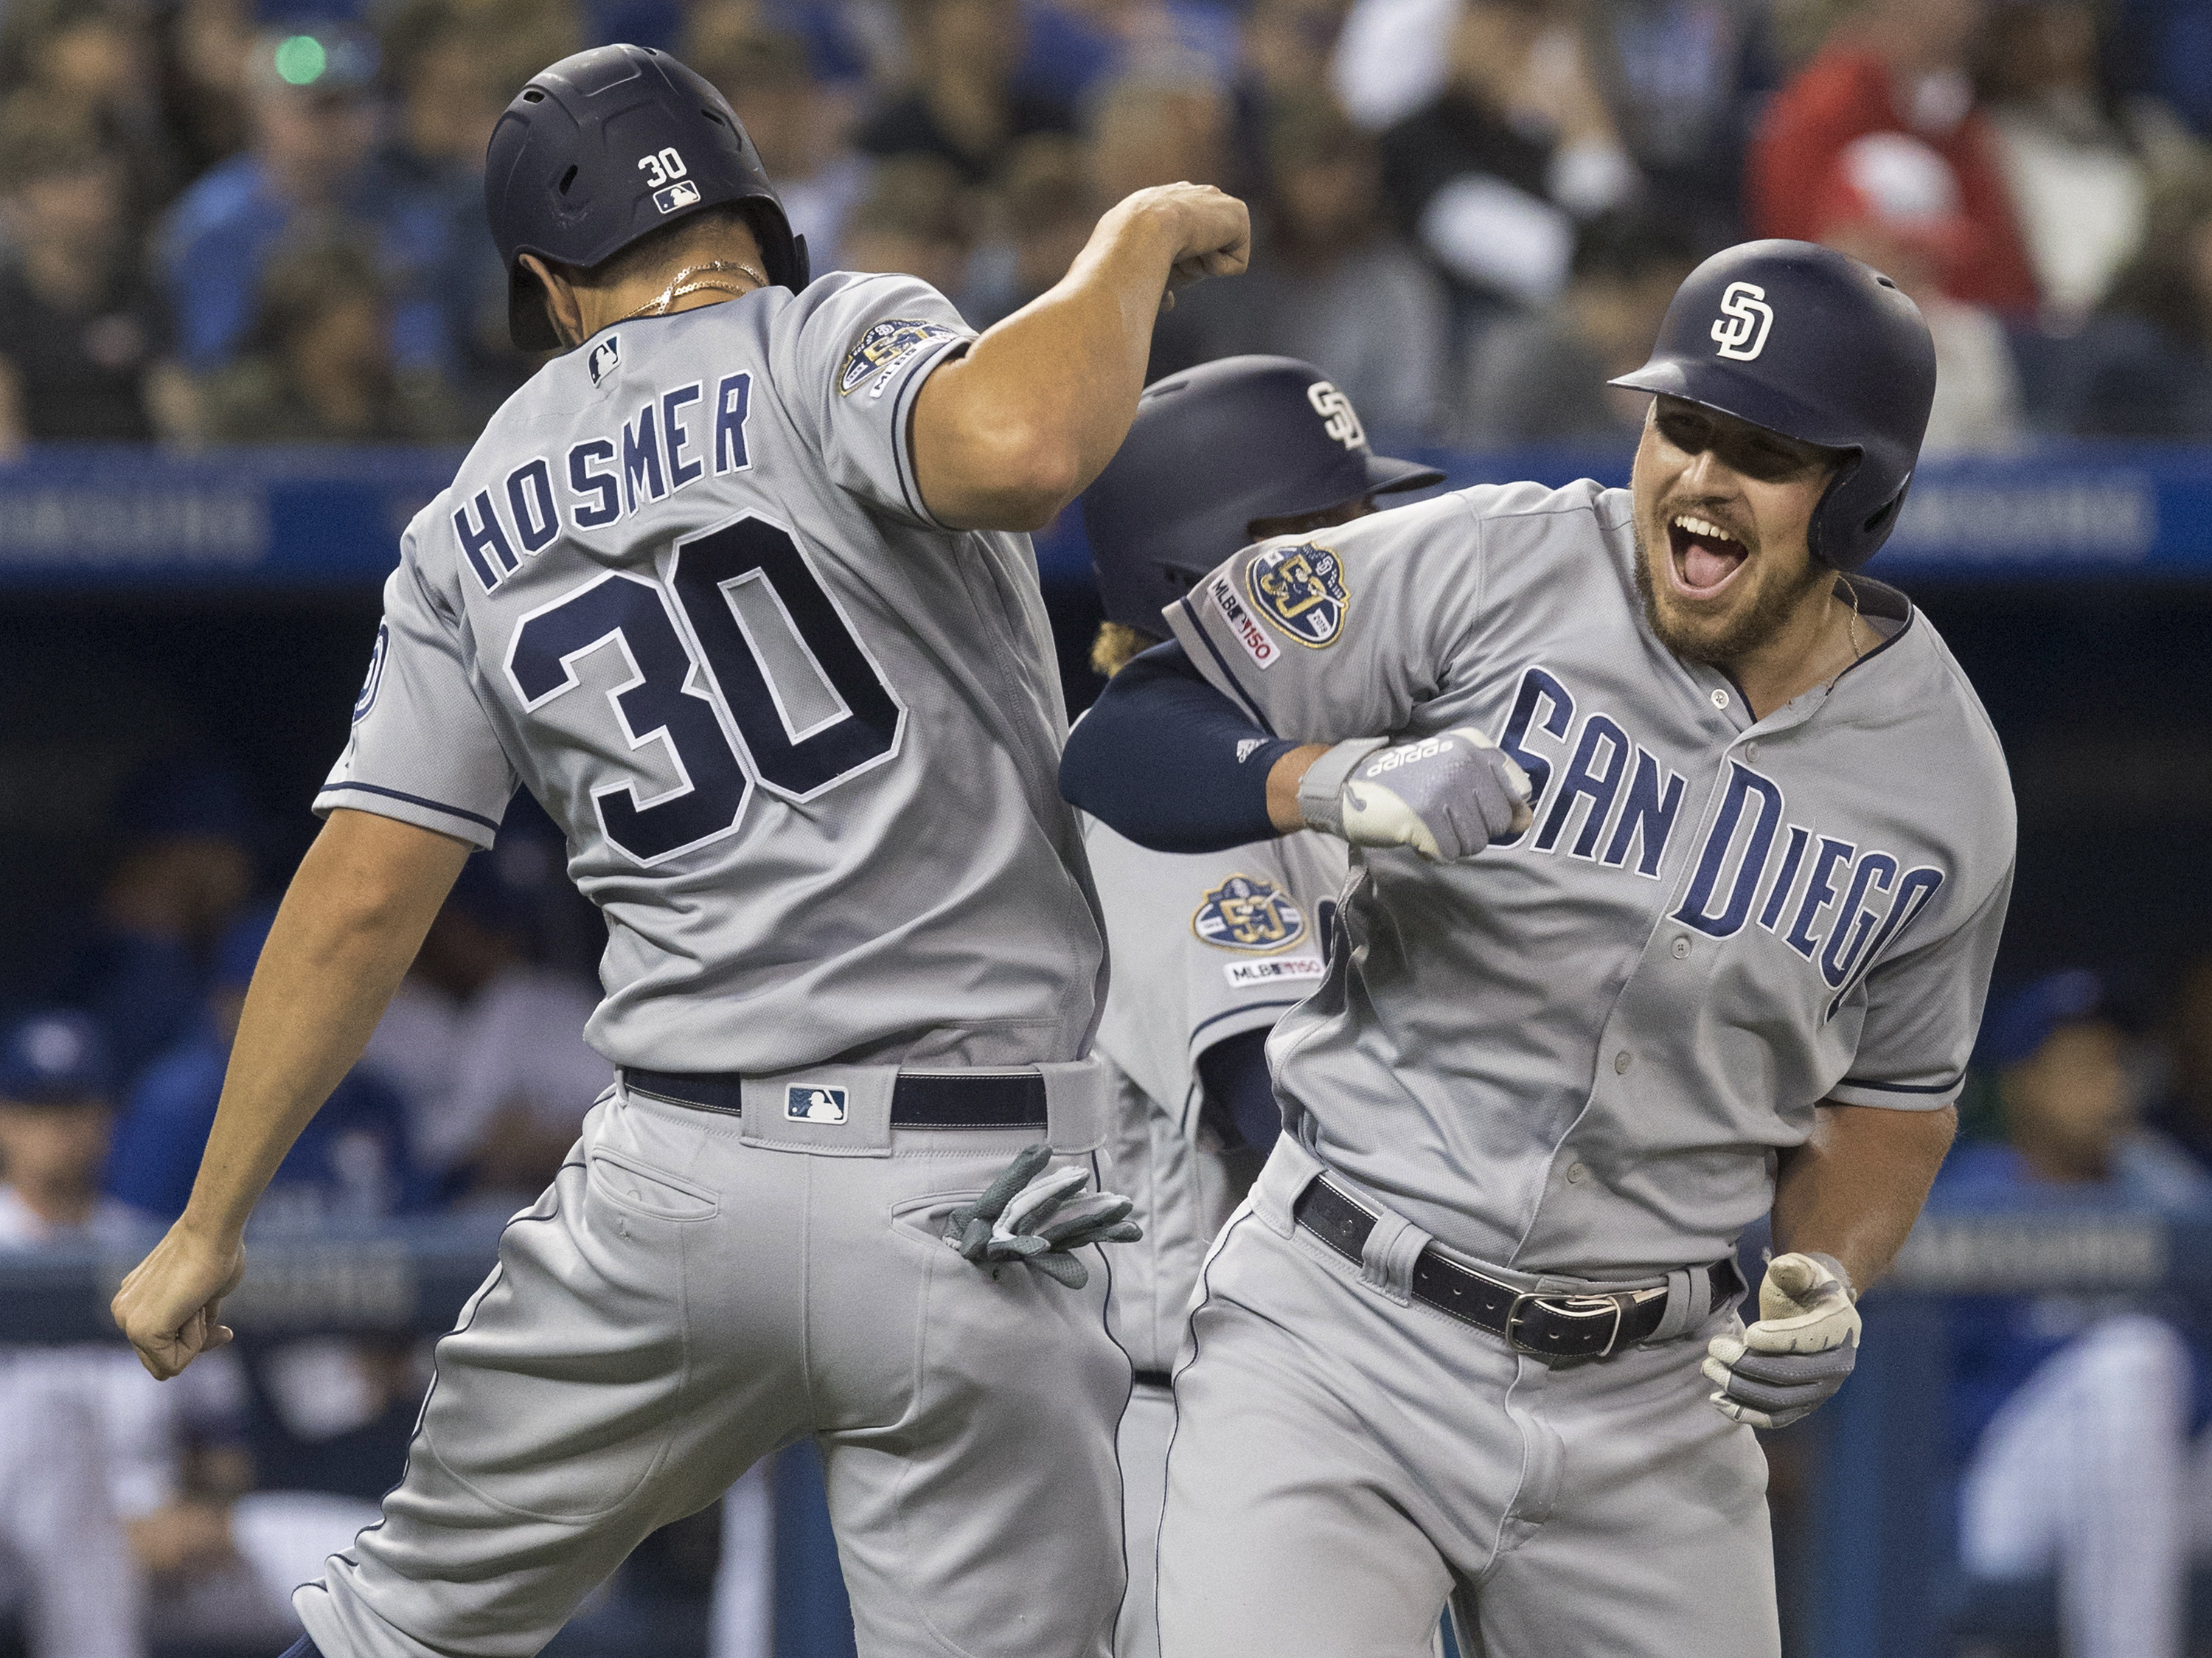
(683, 194)
(605, 358)
(1301, 590)
(803, 1104)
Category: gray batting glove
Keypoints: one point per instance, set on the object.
(1446, 796)
(1798, 1354)
(1040, 1221)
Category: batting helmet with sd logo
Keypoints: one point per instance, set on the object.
(1805, 342)
(606, 147)
(1211, 450)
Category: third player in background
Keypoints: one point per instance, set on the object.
(1208, 947)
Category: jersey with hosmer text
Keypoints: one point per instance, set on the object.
(1206, 945)
(801, 736)
(1581, 1052)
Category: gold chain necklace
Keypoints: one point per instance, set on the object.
(680, 286)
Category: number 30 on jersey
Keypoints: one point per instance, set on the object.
(781, 682)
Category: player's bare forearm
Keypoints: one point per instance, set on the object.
(350, 924)
(355, 915)
(1283, 780)
(1017, 428)
(1855, 1188)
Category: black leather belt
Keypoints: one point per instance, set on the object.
(919, 1098)
(1553, 1326)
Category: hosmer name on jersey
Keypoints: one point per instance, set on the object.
(1834, 903)
(677, 436)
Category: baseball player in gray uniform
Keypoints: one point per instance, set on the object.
(1680, 857)
(1209, 947)
(703, 587)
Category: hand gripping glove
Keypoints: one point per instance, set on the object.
(1804, 1345)
(1446, 796)
(1042, 1223)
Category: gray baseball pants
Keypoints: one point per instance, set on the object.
(694, 1292)
(1346, 1461)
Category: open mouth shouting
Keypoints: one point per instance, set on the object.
(1703, 558)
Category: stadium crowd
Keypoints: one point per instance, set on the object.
(226, 224)
(231, 225)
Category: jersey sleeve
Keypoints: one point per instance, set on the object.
(849, 363)
(1346, 633)
(1924, 1012)
(421, 749)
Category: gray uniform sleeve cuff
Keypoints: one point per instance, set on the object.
(1320, 791)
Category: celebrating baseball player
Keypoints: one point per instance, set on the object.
(1681, 851)
(725, 587)
(1208, 947)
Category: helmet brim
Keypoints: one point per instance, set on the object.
(1387, 475)
(1746, 400)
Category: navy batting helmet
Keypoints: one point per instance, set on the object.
(606, 147)
(1209, 451)
(1802, 341)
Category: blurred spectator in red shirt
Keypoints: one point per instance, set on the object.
(1903, 67)
(1891, 201)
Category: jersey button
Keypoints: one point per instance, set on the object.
(1621, 1062)
(1720, 698)
(1751, 752)
(1577, 1173)
(1681, 948)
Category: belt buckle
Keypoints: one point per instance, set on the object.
(1566, 1306)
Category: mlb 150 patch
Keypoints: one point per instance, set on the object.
(1301, 590)
(883, 347)
(1248, 913)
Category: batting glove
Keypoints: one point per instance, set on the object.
(1803, 1346)
(1446, 796)
(1041, 1221)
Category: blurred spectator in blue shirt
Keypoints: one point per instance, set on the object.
(794, 121)
(186, 863)
(2077, 1408)
(2142, 366)
(453, 65)
(314, 132)
(965, 108)
(354, 1160)
(319, 364)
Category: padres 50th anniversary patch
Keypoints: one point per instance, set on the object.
(1301, 590)
(883, 348)
(1248, 913)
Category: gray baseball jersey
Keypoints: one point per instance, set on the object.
(1580, 1052)
(1205, 946)
(803, 740)
(801, 737)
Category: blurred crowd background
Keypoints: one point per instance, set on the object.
(230, 225)
(224, 224)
